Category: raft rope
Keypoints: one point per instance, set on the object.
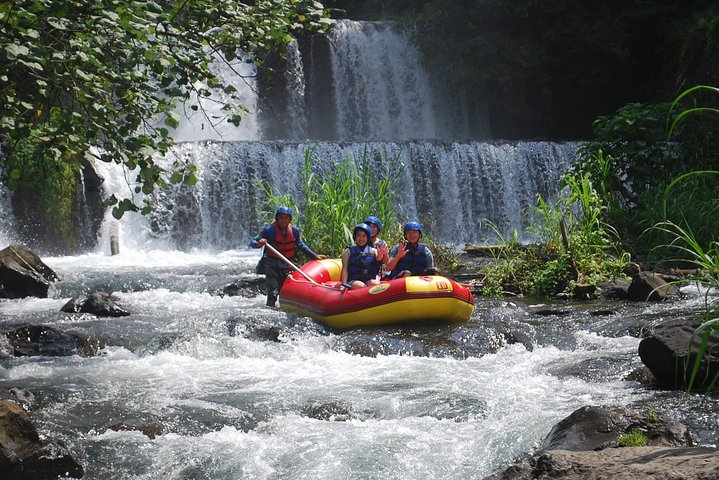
(25, 261)
(313, 283)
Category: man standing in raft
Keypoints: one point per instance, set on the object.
(360, 267)
(411, 257)
(285, 238)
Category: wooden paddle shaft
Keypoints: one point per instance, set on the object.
(288, 262)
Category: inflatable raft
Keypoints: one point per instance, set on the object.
(316, 291)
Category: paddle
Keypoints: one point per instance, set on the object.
(288, 262)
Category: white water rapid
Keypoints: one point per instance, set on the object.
(234, 390)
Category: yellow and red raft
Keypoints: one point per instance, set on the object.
(410, 299)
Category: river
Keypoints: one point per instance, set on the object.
(239, 390)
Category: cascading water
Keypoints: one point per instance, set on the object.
(7, 219)
(452, 187)
(382, 90)
(202, 117)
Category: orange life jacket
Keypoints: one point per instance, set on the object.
(283, 242)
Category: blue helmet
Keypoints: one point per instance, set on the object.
(285, 210)
(365, 228)
(412, 226)
(374, 220)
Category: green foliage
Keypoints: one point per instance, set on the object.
(640, 150)
(546, 62)
(630, 151)
(553, 277)
(46, 192)
(110, 73)
(341, 195)
(575, 246)
(635, 438)
(693, 238)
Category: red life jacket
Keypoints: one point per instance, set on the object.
(283, 242)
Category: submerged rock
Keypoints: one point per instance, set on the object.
(98, 303)
(251, 287)
(35, 340)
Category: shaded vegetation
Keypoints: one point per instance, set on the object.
(548, 69)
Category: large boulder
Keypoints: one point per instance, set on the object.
(24, 455)
(23, 274)
(593, 428)
(671, 351)
(584, 446)
(650, 286)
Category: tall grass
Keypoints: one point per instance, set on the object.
(688, 247)
(575, 245)
(337, 196)
(693, 239)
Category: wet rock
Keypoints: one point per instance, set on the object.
(23, 274)
(670, 347)
(641, 375)
(551, 312)
(21, 396)
(254, 330)
(151, 431)
(329, 411)
(592, 428)
(649, 286)
(584, 446)
(98, 303)
(24, 455)
(251, 287)
(35, 340)
(635, 463)
(616, 289)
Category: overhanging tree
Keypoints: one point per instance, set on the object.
(77, 74)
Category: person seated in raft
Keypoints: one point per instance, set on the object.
(411, 257)
(382, 249)
(285, 238)
(360, 267)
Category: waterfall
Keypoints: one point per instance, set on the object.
(452, 187)
(202, 118)
(7, 219)
(363, 81)
(382, 90)
(361, 86)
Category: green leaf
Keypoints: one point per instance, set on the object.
(57, 23)
(190, 179)
(172, 119)
(14, 50)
